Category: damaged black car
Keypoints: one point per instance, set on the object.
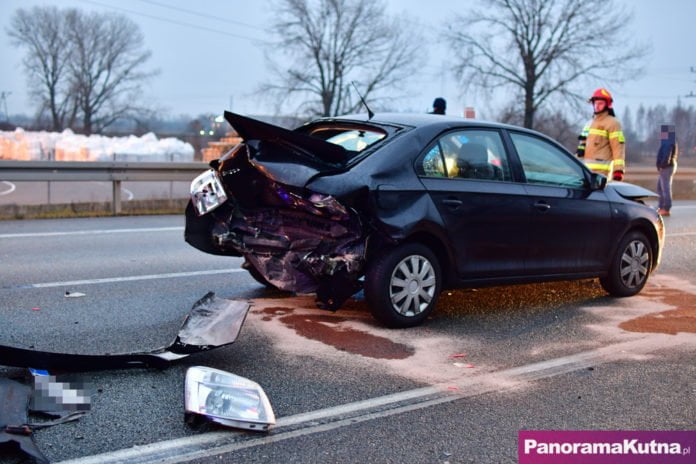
(405, 206)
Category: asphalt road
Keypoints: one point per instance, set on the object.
(559, 356)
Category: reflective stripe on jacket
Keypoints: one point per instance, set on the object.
(605, 167)
(605, 145)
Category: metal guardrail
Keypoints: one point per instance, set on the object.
(106, 171)
(117, 172)
(114, 172)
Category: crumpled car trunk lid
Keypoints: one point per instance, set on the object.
(298, 240)
(290, 157)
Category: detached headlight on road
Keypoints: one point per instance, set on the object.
(227, 399)
(207, 192)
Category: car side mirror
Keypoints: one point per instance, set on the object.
(597, 181)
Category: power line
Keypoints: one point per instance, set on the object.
(180, 23)
(202, 15)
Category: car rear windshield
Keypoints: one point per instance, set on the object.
(353, 139)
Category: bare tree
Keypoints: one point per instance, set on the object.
(42, 32)
(550, 121)
(106, 66)
(541, 47)
(82, 65)
(334, 42)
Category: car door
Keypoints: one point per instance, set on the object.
(569, 223)
(468, 177)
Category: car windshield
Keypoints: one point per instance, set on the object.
(352, 139)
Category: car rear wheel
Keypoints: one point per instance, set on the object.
(402, 285)
(630, 267)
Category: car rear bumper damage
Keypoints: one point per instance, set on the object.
(299, 241)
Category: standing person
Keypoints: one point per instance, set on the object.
(439, 106)
(602, 142)
(666, 164)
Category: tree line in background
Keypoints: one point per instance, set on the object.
(642, 128)
(85, 70)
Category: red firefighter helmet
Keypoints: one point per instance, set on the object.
(602, 94)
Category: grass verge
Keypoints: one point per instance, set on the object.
(71, 210)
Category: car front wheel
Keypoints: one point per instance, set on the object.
(402, 285)
(630, 266)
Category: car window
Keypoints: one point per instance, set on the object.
(433, 163)
(546, 164)
(355, 140)
(467, 154)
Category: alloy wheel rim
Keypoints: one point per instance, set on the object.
(412, 285)
(634, 264)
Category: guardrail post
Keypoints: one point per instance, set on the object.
(116, 197)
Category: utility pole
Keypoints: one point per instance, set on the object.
(3, 101)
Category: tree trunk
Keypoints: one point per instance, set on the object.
(87, 123)
(529, 107)
(57, 124)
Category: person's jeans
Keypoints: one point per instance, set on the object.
(664, 186)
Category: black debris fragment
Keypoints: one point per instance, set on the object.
(14, 403)
(212, 322)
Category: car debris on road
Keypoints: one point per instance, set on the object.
(226, 399)
(212, 323)
(218, 396)
(74, 294)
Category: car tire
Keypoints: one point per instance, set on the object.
(257, 275)
(402, 285)
(630, 267)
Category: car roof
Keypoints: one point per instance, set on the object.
(419, 120)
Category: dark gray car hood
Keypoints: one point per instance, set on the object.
(631, 191)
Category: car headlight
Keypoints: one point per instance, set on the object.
(227, 399)
(207, 192)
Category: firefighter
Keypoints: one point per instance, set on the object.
(602, 143)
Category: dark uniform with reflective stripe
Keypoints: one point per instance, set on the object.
(602, 145)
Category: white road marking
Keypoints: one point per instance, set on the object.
(322, 420)
(681, 234)
(92, 232)
(127, 279)
(11, 189)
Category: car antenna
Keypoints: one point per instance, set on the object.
(370, 114)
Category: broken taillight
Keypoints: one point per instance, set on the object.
(207, 192)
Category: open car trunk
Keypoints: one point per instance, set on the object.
(296, 239)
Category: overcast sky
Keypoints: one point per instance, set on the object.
(210, 54)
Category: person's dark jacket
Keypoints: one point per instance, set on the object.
(667, 154)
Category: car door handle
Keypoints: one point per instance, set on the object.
(542, 206)
(452, 202)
